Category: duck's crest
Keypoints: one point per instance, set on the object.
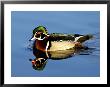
(40, 29)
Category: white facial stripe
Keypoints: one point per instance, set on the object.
(33, 38)
(40, 38)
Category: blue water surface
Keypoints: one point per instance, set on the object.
(71, 22)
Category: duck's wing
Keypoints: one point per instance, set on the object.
(60, 36)
(73, 37)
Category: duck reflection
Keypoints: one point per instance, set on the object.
(41, 57)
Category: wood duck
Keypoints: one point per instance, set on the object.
(56, 41)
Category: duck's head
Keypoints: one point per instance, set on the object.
(39, 33)
(39, 63)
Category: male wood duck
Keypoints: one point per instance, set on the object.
(56, 41)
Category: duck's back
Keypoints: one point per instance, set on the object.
(70, 37)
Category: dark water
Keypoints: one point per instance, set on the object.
(86, 63)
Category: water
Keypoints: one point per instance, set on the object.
(84, 64)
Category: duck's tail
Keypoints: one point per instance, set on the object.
(83, 38)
